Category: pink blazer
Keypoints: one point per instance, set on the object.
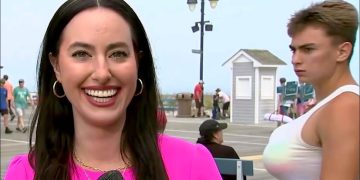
(182, 159)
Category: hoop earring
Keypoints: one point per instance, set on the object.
(54, 90)
(142, 87)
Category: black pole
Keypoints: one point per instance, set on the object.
(202, 23)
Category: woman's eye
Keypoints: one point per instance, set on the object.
(118, 55)
(81, 54)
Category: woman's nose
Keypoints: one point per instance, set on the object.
(101, 71)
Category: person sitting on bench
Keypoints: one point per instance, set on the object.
(211, 136)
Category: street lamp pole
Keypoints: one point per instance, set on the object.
(203, 28)
(202, 23)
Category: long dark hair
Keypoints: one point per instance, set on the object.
(53, 123)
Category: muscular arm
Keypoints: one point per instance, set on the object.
(339, 135)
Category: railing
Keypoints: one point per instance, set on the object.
(169, 105)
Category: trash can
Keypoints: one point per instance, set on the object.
(184, 101)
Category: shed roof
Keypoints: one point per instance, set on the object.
(264, 57)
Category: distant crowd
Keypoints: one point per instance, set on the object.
(14, 102)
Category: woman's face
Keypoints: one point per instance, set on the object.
(96, 66)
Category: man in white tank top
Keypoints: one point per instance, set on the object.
(324, 142)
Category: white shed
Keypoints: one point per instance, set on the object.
(253, 84)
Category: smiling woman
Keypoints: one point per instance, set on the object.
(97, 113)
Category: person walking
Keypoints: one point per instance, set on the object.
(282, 108)
(285, 104)
(225, 100)
(10, 98)
(198, 98)
(216, 113)
(304, 95)
(211, 136)
(21, 97)
(323, 143)
(4, 106)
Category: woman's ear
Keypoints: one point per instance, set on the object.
(55, 64)
(344, 51)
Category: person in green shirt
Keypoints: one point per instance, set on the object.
(21, 96)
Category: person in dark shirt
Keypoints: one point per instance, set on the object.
(216, 109)
(4, 111)
(211, 136)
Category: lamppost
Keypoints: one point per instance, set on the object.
(203, 26)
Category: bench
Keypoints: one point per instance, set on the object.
(240, 168)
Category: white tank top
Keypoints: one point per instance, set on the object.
(287, 156)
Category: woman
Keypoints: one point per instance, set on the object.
(98, 100)
(323, 143)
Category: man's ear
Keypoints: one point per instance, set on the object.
(217, 134)
(344, 51)
(55, 64)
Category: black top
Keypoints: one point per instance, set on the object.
(216, 100)
(221, 151)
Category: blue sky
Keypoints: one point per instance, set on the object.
(238, 24)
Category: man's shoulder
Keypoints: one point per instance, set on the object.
(17, 89)
(223, 151)
(7, 84)
(217, 147)
(225, 147)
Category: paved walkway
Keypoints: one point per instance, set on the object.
(248, 140)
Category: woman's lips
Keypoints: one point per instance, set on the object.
(101, 96)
